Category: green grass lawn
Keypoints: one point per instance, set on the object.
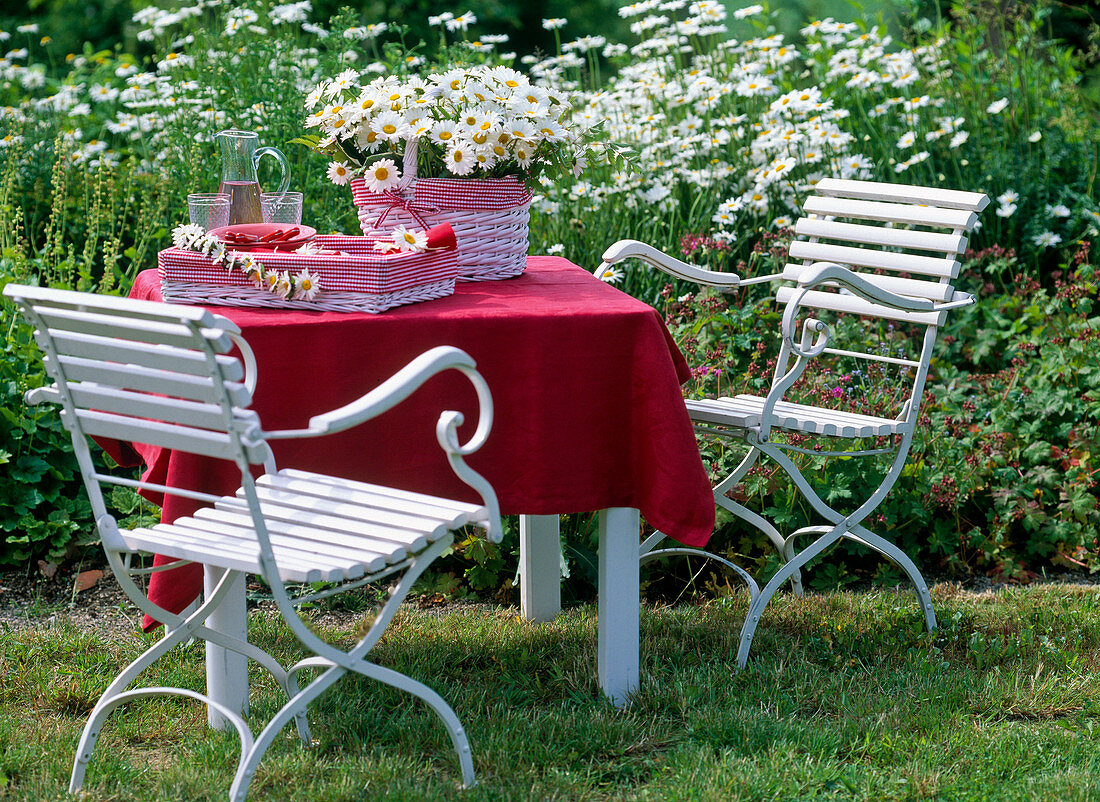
(844, 697)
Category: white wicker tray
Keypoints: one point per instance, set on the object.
(358, 279)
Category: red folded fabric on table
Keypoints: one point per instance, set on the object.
(585, 379)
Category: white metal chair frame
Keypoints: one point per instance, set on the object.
(155, 373)
(827, 279)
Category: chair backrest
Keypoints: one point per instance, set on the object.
(142, 372)
(917, 235)
(904, 239)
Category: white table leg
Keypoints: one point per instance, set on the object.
(539, 567)
(617, 649)
(226, 671)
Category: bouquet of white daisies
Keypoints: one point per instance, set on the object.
(476, 122)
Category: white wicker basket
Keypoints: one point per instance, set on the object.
(489, 216)
(355, 279)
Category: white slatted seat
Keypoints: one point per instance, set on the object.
(867, 249)
(161, 374)
(746, 410)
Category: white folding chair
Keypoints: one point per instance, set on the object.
(915, 236)
(160, 374)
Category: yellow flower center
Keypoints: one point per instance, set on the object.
(381, 173)
(306, 284)
(366, 104)
(512, 84)
(444, 135)
(389, 128)
(409, 238)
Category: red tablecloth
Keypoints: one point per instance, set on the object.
(585, 382)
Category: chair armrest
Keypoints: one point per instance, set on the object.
(632, 249)
(832, 273)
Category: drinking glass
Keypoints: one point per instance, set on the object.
(282, 207)
(208, 209)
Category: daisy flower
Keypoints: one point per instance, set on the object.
(523, 153)
(389, 126)
(409, 240)
(997, 106)
(461, 161)
(1009, 196)
(612, 275)
(338, 173)
(382, 175)
(306, 285)
(554, 24)
(1047, 239)
(444, 132)
(908, 139)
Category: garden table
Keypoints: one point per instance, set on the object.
(588, 416)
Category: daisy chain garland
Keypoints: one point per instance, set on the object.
(302, 287)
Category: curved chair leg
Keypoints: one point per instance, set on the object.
(92, 729)
(450, 720)
(293, 709)
(750, 517)
(754, 589)
(752, 617)
(902, 560)
(182, 631)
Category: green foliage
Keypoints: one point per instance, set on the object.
(43, 510)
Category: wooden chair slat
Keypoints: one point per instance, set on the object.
(877, 235)
(818, 420)
(135, 329)
(294, 552)
(382, 490)
(914, 288)
(166, 435)
(875, 258)
(438, 509)
(142, 405)
(164, 357)
(412, 540)
(151, 380)
(906, 214)
(43, 297)
(902, 193)
(374, 555)
(226, 547)
(424, 522)
(837, 302)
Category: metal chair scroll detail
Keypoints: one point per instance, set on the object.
(161, 374)
(915, 236)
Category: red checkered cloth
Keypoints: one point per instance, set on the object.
(359, 268)
(431, 195)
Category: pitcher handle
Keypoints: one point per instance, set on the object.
(284, 178)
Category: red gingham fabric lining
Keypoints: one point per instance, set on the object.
(455, 194)
(362, 270)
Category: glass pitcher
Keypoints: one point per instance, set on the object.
(240, 156)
